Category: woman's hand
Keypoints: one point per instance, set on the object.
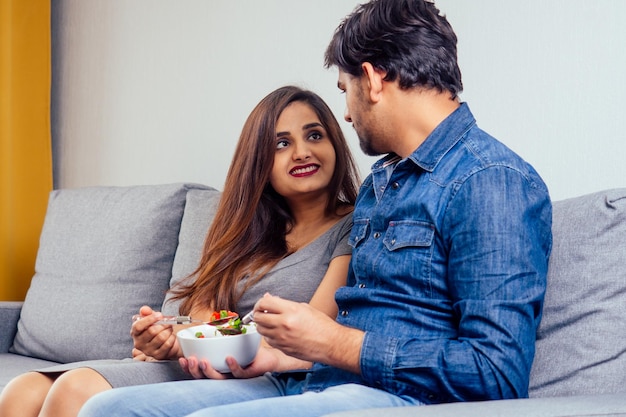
(140, 356)
(266, 360)
(157, 341)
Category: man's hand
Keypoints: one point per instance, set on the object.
(303, 332)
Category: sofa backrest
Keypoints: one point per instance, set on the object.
(200, 209)
(581, 342)
(104, 252)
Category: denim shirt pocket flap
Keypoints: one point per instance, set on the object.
(409, 233)
(358, 233)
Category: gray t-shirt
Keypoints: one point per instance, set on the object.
(297, 276)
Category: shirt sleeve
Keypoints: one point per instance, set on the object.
(496, 231)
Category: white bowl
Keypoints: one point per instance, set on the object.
(215, 347)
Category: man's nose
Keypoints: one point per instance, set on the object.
(346, 115)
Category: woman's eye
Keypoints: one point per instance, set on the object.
(282, 144)
(316, 136)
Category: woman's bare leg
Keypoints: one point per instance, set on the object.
(24, 395)
(71, 390)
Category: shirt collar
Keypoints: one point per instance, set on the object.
(443, 138)
(438, 143)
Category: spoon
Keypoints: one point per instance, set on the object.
(189, 320)
(249, 318)
(222, 317)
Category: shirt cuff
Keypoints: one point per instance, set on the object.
(378, 354)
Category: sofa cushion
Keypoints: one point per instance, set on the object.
(9, 316)
(579, 406)
(104, 252)
(199, 212)
(14, 365)
(581, 346)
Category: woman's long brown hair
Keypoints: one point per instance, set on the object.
(247, 235)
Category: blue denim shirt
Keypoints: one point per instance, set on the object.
(448, 271)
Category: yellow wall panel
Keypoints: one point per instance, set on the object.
(25, 144)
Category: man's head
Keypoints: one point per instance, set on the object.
(408, 40)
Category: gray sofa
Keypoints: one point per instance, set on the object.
(105, 251)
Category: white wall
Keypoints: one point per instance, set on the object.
(153, 91)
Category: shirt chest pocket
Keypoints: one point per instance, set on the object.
(407, 234)
(408, 257)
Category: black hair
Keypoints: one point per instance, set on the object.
(407, 39)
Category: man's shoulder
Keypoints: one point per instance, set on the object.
(479, 153)
(483, 151)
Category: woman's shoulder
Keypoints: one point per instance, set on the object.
(345, 219)
(338, 233)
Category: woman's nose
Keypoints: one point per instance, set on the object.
(301, 151)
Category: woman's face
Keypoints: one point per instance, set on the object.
(305, 158)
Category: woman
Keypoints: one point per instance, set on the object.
(281, 227)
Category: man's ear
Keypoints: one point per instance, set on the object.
(374, 78)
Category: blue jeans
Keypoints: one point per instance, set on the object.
(236, 397)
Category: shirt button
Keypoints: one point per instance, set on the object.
(344, 313)
(395, 185)
(376, 235)
(361, 285)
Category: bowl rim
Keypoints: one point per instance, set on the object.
(188, 332)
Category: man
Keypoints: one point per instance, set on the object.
(451, 238)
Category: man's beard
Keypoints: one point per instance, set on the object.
(367, 149)
(366, 145)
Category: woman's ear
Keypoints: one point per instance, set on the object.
(374, 78)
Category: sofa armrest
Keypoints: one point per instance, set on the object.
(579, 406)
(9, 315)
